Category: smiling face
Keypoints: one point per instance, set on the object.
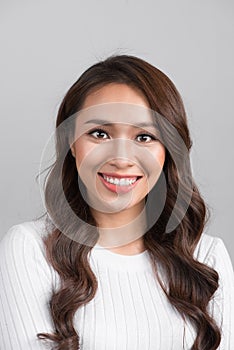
(118, 155)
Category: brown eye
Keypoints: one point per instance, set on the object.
(98, 134)
(145, 138)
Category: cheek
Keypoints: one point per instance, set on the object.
(153, 164)
(162, 156)
(86, 154)
(82, 149)
(159, 155)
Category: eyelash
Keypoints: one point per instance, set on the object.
(105, 132)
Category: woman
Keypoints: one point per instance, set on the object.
(121, 260)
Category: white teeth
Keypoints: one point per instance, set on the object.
(122, 182)
(119, 182)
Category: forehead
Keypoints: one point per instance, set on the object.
(115, 92)
(116, 113)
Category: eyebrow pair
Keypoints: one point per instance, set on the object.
(106, 122)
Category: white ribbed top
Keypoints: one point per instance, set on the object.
(129, 310)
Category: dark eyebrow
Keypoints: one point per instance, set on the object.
(106, 122)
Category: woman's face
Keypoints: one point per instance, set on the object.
(118, 160)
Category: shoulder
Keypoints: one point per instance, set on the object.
(207, 247)
(213, 252)
(27, 281)
(23, 256)
(23, 244)
(31, 232)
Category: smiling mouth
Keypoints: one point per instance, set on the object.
(119, 184)
(120, 181)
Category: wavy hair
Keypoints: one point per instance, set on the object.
(188, 284)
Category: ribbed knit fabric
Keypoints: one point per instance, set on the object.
(129, 310)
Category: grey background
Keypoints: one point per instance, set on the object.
(47, 44)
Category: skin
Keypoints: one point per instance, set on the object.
(123, 213)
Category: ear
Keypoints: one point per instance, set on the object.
(73, 150)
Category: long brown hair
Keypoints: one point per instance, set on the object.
(190, 284)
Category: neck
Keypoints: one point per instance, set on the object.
(124, 228)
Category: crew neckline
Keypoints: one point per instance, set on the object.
(115, 261)
(98, 246)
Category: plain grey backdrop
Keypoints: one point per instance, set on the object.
(47, 44)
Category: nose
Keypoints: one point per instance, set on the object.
(121, 163)
(122, 154)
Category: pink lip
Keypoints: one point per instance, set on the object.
(116, 188)
(118, 176)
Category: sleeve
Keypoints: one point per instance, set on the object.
(221, 306)
(25, 290)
